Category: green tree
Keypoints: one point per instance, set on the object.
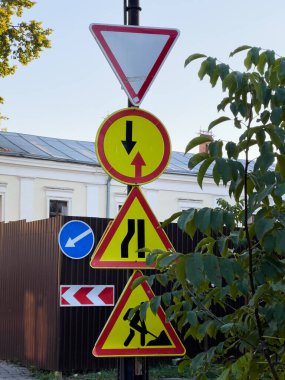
(232, 287)
(19, 41)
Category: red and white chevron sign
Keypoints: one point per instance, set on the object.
(87, 295)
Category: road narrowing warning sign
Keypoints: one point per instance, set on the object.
(127, 335)
(135, 227)
(133, 146)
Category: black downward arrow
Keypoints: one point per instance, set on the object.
(129, 143)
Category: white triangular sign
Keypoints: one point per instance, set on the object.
(135, 54)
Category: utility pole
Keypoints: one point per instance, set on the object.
(132, 368)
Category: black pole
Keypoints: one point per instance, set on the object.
(131, 17)
(132, 368)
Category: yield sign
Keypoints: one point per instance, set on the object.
(125, 334)
(134, 228)
(135, 54)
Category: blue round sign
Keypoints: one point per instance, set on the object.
(76, 239)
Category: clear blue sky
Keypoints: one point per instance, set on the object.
(70, 90)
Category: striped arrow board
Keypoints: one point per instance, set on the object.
(87, 295)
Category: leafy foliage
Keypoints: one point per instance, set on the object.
(19, 41)
(231, 289)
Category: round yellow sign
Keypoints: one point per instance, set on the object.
(133, 146)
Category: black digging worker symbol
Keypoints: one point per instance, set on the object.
(136, 324)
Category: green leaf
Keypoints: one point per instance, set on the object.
(280, 96)
(255, 55)
(139, 281)
(203, 69)
(192, 317)
(280, 242)
(216, 175)
(239, 49)
(261, 62)
(203, 169)
(217, 219)
(212, 269)
(224, 170)
(150, 259)
(281, 71)
(223, 246)
(232, 150)
(230, 83)
(167, 259)
(218, 121)
(180, 271)
(225, 375)
(203, 218)
(206, 243)
(223, 104)
(238, 189)
(270, 55)
(262, 226)
(174, 216)
(248, 60)
(280, 189)
(198, 141)
(229, 219)
(143, 310)
(166, 298)
(234, 108)
(215, 76)
(196, 159)
(281, 165)
(194, 269)
(155, 303)
(266, 157)
(264, 116)
(227, 270)
(192, 57)
(276, 116)
(216, 148)
(223, 70)
(186, 217)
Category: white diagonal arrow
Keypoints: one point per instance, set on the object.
(71, 242)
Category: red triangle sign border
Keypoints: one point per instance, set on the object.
(98, 350)
(96, 262)
(135, 98)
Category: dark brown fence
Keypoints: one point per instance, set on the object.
(33, 327)
(29, 281)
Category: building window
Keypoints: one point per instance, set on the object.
(59, 201)
(57, 207)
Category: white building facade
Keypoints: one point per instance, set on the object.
(36, 186)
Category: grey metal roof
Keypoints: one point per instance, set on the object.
(79, 152)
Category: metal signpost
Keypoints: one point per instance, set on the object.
(134, 148)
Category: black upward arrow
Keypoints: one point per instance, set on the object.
(129, 143)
